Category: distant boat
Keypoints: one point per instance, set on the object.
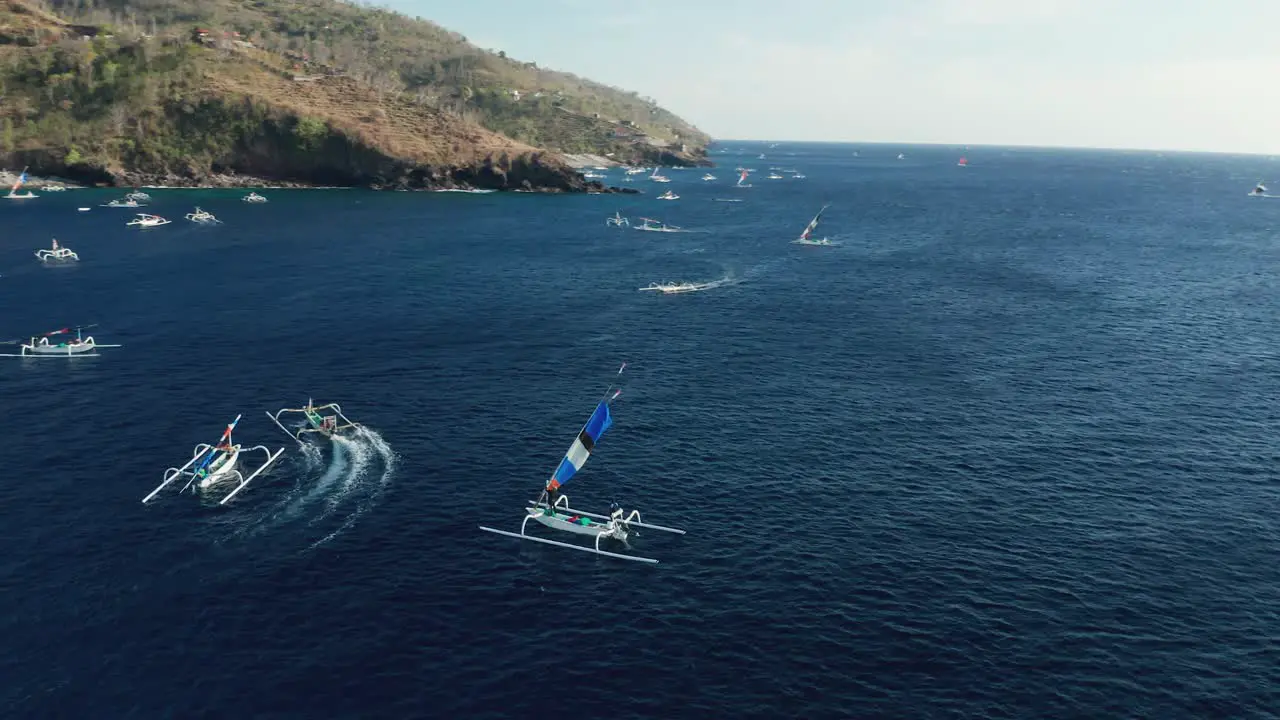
(774, 176)
(658, 177)
(901, 156)
(805, 237)
(1259, 190)
(708, 177)
(145, 221)
(253, 197)
(592, 175)
(668, 195)
(13, 191)
(651, 225)
(964, 162)
(674, 288)
(742, 179)
(617, 220)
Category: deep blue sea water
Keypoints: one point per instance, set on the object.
(1009, 450)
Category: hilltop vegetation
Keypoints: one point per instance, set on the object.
(429, 65)
(307, 91)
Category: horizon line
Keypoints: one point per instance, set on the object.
(1017, 146)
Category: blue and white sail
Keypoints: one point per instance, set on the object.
(597, 425)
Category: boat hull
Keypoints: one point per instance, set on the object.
(222, 468)
(561, 521)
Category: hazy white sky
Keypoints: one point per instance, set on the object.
(1167, 74)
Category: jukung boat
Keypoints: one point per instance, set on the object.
(552, 509)
(39, 345)
(617, 220)
(1259, 190)
(126, 203)
(146, 221)
(212, 465)
(651, 225)
(56, 254)
(13, 191)
(138, 196)
(708, 177)
(658, 177)
(254, 197)
(203, 217)
(805, 238)
(668, 195)
(314, 421)
(674, 288)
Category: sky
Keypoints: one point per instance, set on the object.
(1166, 74)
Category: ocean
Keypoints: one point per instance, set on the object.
(1005, 450)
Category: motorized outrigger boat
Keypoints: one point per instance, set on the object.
(203, 217)
(668, 195)
(1259, 190)
(675, 288)
(315, 422)
(138, 196)
(214, 464)
(126, 203)
(254, 197)
(552, 509)
(617, 220)
(56, 253)
(651, 225)
(39, 345)
(146, 221)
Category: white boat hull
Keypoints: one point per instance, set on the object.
(221, 469)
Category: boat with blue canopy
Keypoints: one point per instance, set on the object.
(552, 508)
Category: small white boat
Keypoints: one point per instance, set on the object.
(636, 170)
(806, 236)
(901, 156)
(254, 197)
(798, 176)
(203, 217)
(315, 422)
(552, 509)
(675, 288)
(658, 177)
(56, 253)
(211, 465)
(146, 221)
(651, 225)
(668, 195)
(122, 204)
(599, 167)
(592, 175)
(53, 188)
(39, 346)
(774, 176)
(1259, 190)
(708, 177)
(138, 196)
(13, 191)
(617, 221)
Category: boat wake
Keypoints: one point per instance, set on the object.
(338, 491)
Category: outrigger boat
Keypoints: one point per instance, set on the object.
(617, 220)
(203, 217)
(53, 188)
(1259, 190)
(658, 177)
(214, 464)
(592, 175)
(648, 225)
(39, 345)
(56, 254)
(668, 195)
(708, 177)
(122, 204)
(13, 191)
(804, 238)
(674, 288)
(552, 509)
(145, 221)
(254, 197)
(326, 425)
(137, 196)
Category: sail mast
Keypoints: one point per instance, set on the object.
(813, 224)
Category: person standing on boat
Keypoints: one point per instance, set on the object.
(552, 493)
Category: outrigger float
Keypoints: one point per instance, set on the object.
(552, 509)
(326, 425)
(214, 464)
(39, 345)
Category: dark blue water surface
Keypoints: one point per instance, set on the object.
(1009, 450)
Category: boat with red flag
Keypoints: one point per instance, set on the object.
(212, 465)
(43, 347)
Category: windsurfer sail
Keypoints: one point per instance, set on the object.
(223, 446)
(597, 425)
(742, 179)
(804, 238)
